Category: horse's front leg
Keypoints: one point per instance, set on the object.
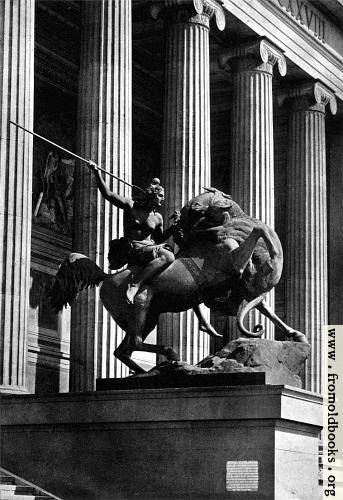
(287, 330)
(204, 325)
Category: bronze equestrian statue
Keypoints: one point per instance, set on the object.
(225, 257)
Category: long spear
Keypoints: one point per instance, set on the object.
(75, 155)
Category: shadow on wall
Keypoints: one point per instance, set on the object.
(44, 340)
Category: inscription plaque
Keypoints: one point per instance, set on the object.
(242, 475)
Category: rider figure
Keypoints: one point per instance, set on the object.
(143, 227)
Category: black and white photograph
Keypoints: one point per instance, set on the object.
(171, 249)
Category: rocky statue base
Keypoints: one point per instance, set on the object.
(240, 362)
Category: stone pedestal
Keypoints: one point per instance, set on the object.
(104, 126)
(306, 251)
(252, 170)
(16, 104)
(186, 138)
(253, 442)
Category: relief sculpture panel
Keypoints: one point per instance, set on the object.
(53, 175)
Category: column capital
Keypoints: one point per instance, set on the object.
(200, 11)
(262, 50)
(311, 95)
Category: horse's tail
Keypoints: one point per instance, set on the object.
(258, 329)
(76, 272)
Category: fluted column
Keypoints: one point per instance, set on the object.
(306, 256)
(104, 126)
(16, 103)
(252, 169)
(186, 137)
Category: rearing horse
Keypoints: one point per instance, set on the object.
(223, 252)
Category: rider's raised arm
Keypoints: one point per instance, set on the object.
(116, 199)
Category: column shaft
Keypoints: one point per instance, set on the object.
(16, 103)
(186, 138)
(185, 156)
(104, 123)
(252, 171)
(186, 141)
(253, 145)
(306, 269)
(253, 156)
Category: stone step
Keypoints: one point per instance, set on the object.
(6, 487)
(7, 479)
(10, 495)
(22, 488)
(13, 487)
(22, 497)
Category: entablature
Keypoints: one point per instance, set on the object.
(302, 32)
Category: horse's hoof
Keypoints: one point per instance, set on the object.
(170, 354)
(298, 336)
(209, 330)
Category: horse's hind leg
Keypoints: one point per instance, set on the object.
(287, 330)
(135, 325)
(140, 322)
(150, 321)
(135, 343)
(124, 352)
